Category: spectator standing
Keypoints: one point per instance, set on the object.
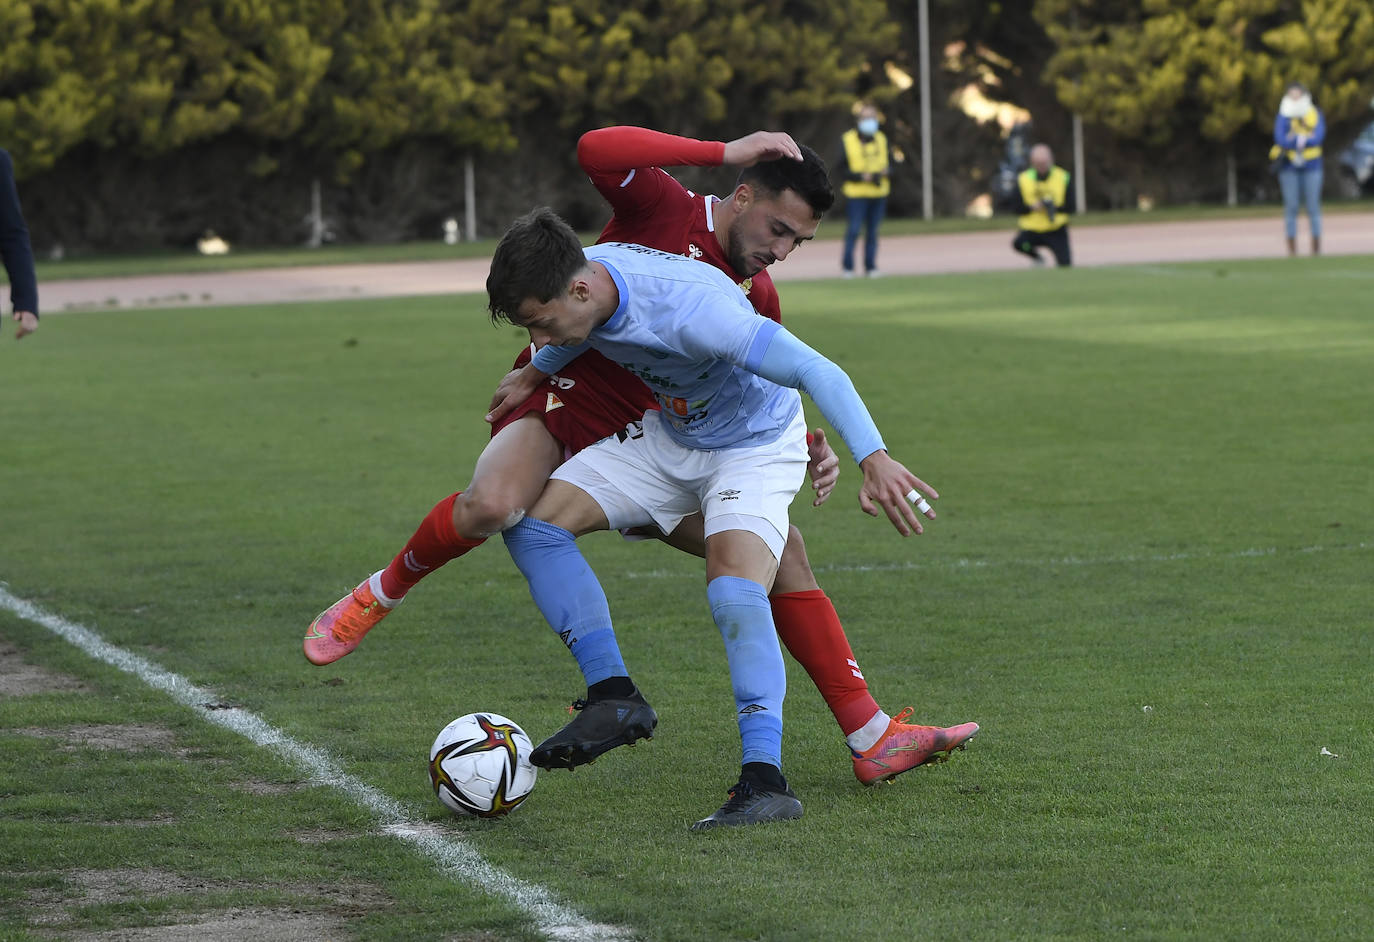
(1299, 130)
(866, 185)
(16, 252)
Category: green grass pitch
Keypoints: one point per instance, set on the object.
(1150, 582)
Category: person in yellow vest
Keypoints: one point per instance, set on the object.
(1299, 130)
(865, 188)
(1045, 201)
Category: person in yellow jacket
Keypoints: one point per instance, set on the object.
(1044, 199)
(865, 186)
(1299, 129)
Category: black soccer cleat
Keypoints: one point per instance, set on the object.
(599, 727)
(753, 803)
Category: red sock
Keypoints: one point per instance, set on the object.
(811, 631)
(432, 544)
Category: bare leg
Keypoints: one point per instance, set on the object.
(509, 477)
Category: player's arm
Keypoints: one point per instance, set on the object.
(620, 161)
(621, 149)
(778, 356)
(623, 162)
(515, 387)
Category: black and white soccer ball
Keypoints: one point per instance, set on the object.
(480, 765)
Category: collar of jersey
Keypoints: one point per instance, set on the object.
(624, 292)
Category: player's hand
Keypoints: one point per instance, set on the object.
(824, 467)
(761, 145)
(889, 485)
(28, 323)
(515, 387)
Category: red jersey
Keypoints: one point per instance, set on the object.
(592, 397)
(653, 209)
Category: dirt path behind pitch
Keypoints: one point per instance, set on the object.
(1132, 243)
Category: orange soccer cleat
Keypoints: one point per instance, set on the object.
(337, 630)
(904, 747)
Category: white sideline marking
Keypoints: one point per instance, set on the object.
(1053, 561)
(454, 858)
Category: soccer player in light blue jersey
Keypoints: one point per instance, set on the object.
(728, 442)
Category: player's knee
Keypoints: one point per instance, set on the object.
(482, 513)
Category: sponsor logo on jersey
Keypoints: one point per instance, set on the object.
(693, 251)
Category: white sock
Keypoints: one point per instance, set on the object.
(375, 584)
(866, 736)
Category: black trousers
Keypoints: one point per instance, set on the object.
(1030, 243)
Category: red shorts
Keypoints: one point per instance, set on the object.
(590, 399)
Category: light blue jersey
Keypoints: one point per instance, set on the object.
(724, 375)
(687, 330)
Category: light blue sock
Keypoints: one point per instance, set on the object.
(568, 595)
(740, 608)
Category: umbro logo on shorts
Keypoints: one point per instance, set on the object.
(753, 708)
(729, 494)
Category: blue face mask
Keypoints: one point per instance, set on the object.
(868, 126)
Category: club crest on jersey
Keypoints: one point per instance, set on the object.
(747, 285)
(553, 402)
(693, 251)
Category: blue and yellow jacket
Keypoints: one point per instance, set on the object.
(1286, 131)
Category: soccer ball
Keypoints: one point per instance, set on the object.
(480, 765)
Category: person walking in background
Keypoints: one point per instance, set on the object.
(16, 252)
(1299, 130)
(866, 185)
(1045, 202)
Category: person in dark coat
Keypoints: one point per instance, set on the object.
(16, 252)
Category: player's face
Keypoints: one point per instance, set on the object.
(560, 322)
(766, 229)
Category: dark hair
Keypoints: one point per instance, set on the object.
(807, 177)
(1298, 85)
(536, 258)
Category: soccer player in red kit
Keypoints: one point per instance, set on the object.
(775, 207)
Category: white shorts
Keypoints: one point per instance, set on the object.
(642, 476)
